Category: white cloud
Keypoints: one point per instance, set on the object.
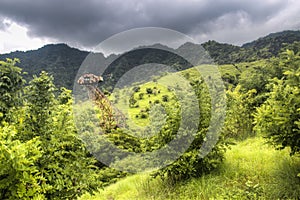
(14, 37)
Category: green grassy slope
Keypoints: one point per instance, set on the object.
(138, 111)
(252, 170)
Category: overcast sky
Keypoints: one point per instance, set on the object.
(28, 24)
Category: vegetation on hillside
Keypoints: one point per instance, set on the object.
(44, 156)
(262, 48)
(63, 62)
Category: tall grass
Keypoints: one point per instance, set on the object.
(252, 170)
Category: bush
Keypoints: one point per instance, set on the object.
(19, 171)
(190, 163)
(278, 118)
(165, 98)
(11, 86)
(132, 102)
(141, 95)
(143, 115)
(66, 166)
(239, 116)
(136, 89)
(149, 90)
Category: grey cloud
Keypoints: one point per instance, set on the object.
(3, 24)
(88, 22)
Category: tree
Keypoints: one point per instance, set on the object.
(257, 78)
(65, 167)
(11, 85)
(278, 118)
(165, 98)
(190, 163)
(132, 101)
(239, 116)
(149, 90)
(141, 95)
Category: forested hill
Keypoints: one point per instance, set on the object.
(60, 60)
(63, 62)
(264, 47)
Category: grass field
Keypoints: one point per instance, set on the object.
(252, 170)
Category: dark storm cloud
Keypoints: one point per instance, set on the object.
(88, 22)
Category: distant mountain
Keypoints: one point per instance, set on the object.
(63, 62)
(262, 48)
(60, 60)
(274, 41)
(222, 53)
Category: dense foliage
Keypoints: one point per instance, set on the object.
(239, 118)
(190, 163)
(11, 83)
(60, 60)
(262, 48)
(278, 118)
(41, 154)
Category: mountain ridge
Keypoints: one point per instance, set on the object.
(63, 61)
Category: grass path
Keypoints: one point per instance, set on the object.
(252, 170)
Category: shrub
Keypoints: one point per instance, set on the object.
(239, 116)
(278, 118)
(143, 115)
(132, 102)
(149, 90)
(190, 163)
(141, 95)
(19, 171)
(65, 167)
(11, 86)
(165, 98)
(136, 89)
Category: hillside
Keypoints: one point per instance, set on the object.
(244, 175)
(60, 60)
(37, 122)
(262, 48)
(63, 61)
(274, 40)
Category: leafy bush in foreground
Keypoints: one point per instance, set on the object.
(41, 155)
(19, 173)
(278, 118)
(191, 163)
